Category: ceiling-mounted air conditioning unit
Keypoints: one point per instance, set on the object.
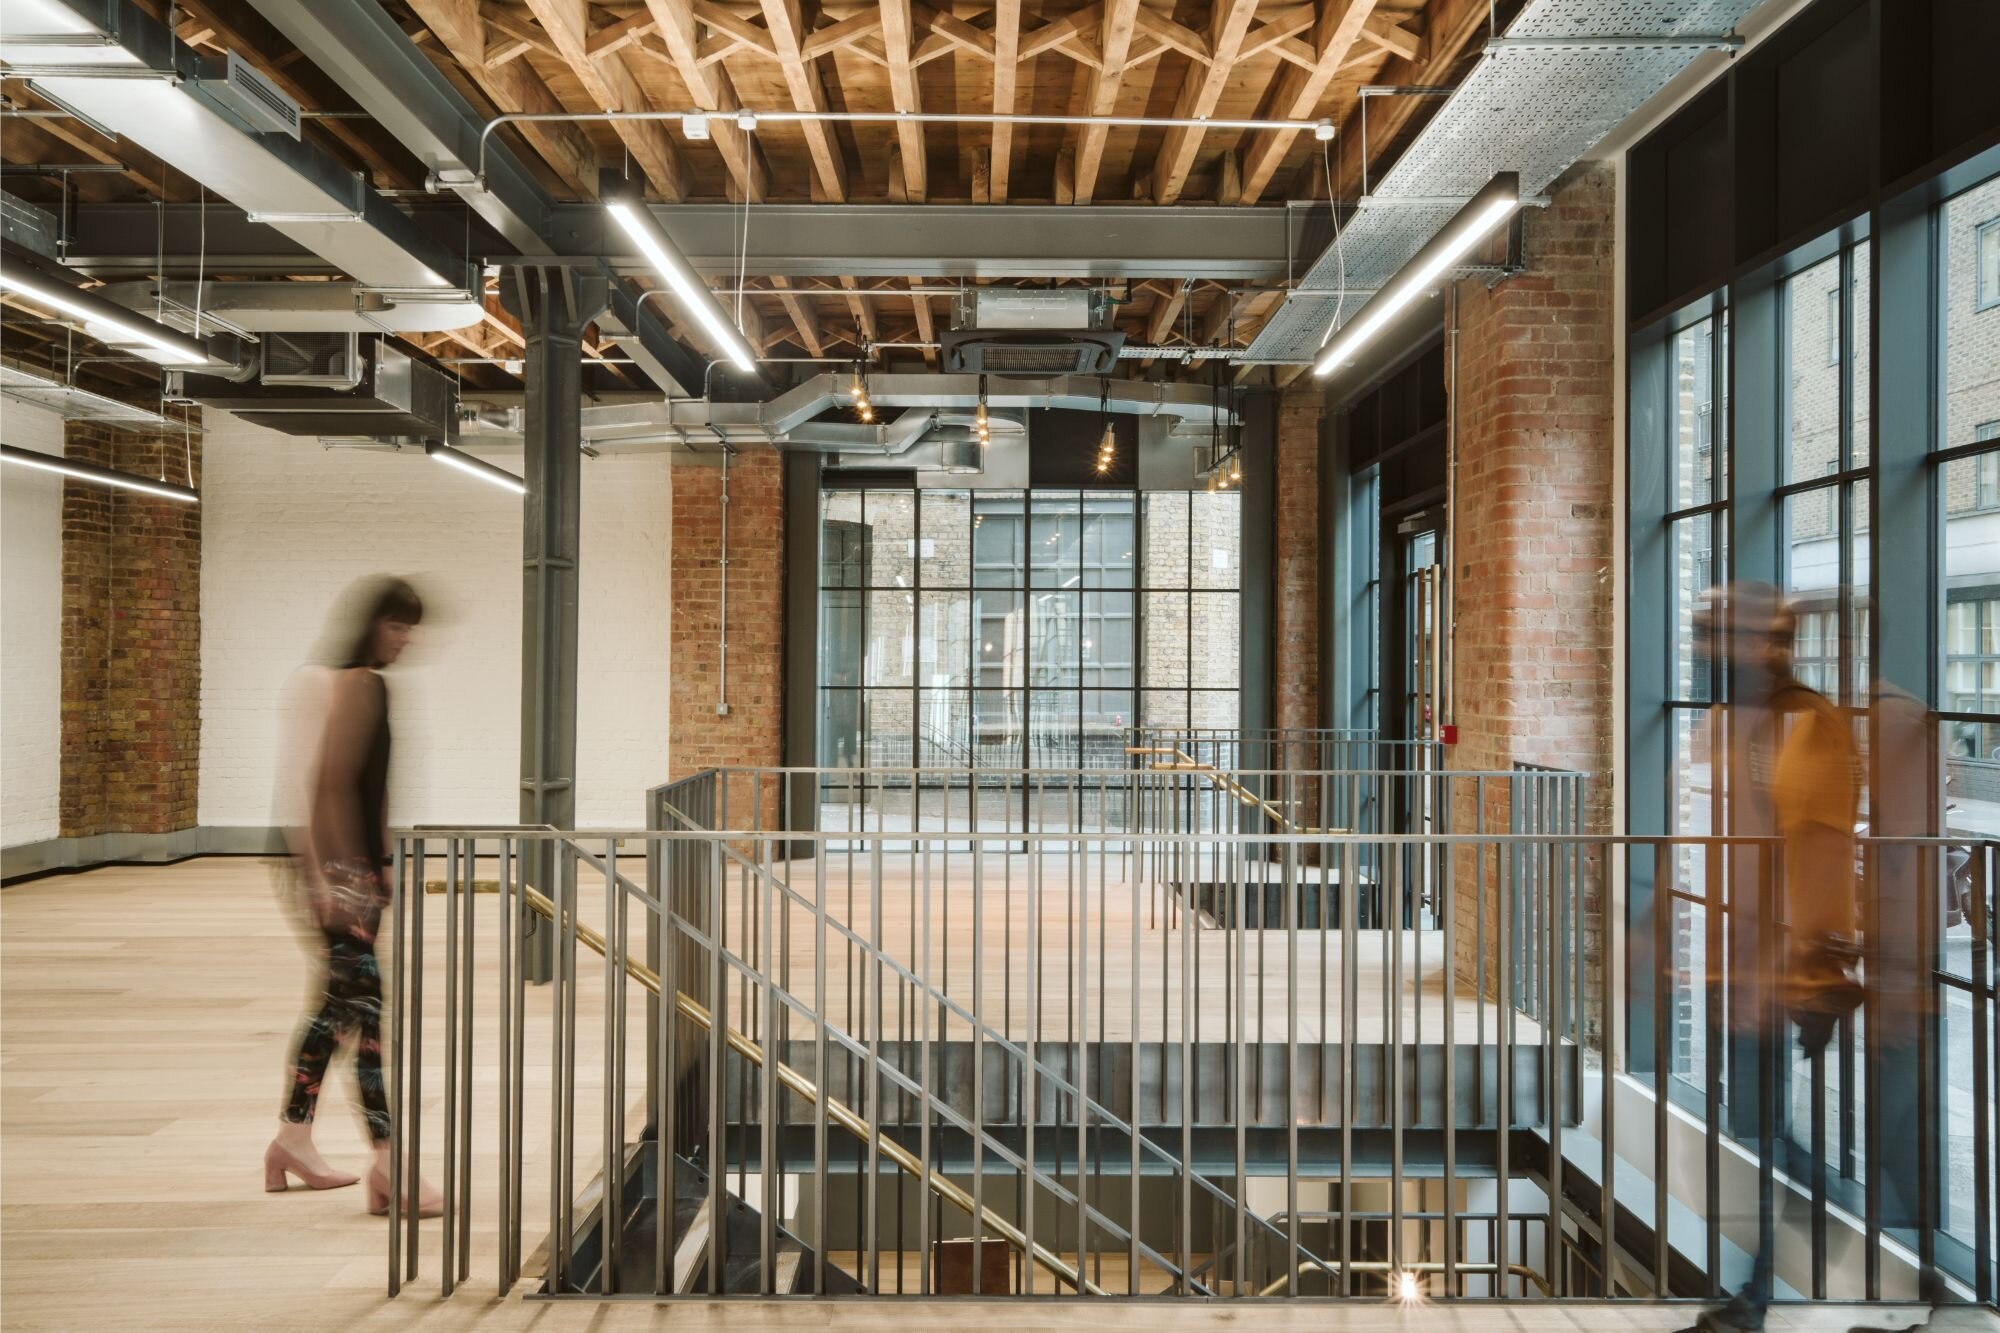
(1029, 331)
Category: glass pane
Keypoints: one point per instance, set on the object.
(1694, 573)
(1110, 541)
(1166, 539)
(946, 519)
(1055, 541)
(843, 558)
(1001, 629)
(1055, 651)
(1106, 714)
(892, 538)
(1858, 600)
(944, 639)
(1812, 583)
(999, 541)
(1860, 258)
(1213, 708)
(1812, 379)
(1216, 523)
(1972, 314)
(996, 727)
(1054, 719)
(1214, 644)
(840, 637)
(890, 721)
(1107, 639)
(1694, 416)
(840, 728)
(944, 729)
(1166, 631)
(1164, 708)
(892, 638)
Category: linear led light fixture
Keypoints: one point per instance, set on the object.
(100, 476)
(1494, 203)
(478, 467)
(691, 293)
(155, 342)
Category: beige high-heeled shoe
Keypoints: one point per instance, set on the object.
(279, 1162)
(428, 1202)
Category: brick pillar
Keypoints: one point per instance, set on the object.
(752, 733)
(1532, 545)
(1295, 600)
(131, 639)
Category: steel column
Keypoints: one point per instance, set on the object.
(554, 305)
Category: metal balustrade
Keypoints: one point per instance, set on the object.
(1140, 1051)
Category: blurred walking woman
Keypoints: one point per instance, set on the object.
(338, 769)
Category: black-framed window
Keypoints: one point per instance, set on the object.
(1023, 629)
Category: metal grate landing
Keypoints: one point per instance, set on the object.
(1535, 110)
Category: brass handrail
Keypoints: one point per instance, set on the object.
(1180, 761)
(837, 1111)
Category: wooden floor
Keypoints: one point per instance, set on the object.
(144, 1017)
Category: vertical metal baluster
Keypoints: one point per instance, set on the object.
(718, 1081)
(1190, 1015)
(1081, 1073)
(1239, 987)
(398, 1050)
(447, 1268)
(1713, 993)
(768, 1163)
(1556, 919)
(1133, 861)
(559, 928)
(820, 1263)
(871, 1198)
(613, 1217)
(510, 1076)
(1928, 1111)
(1871, 1131)
(978, 1066)
(1291, 1108)
(666, 1056)
(1504, 872)
(1350, 991)
(1393, 1052)
(1607, 1029)
(468, 990)
(411, 1170)
(573, 898)
(1448, 1020)
(928, 1079)
(1663, 971)
(1030, 1092)
(1980, 975)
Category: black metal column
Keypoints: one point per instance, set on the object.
(554, 305)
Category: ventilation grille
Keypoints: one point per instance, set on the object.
(979, 351)
(251, 99)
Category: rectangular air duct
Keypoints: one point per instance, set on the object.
(395, 396)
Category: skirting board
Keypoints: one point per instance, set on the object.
(37, 858)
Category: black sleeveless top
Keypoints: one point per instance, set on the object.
(373, 780)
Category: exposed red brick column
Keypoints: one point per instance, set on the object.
(1295, 602)
(1532, 557)
(131, 649)
(752, 733)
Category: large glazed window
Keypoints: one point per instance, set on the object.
(1011, 629)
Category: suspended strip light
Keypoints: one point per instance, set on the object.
(104, 318)
(694, 298)
(478, 467)
(1468, 227)
(101, 476)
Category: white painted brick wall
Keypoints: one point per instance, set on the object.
(30, 630)
(287, 524)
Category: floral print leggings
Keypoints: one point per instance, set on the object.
(352, 1006)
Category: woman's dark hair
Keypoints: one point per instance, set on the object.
(350, 639)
